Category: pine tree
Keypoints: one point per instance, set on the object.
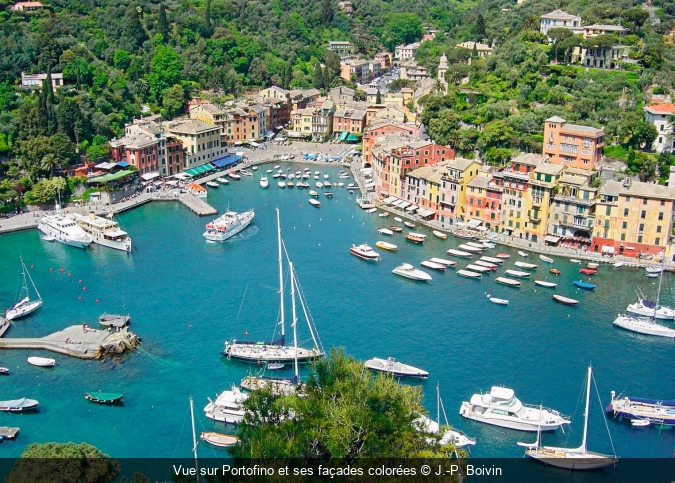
(327, 78)
(378, 99)
(208, 29)
(474, 51)
(46, 109)
(317, 79)
(480, 27)
(162, 23)
(327, 12)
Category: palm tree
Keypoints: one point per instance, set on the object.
(532, 23)
(438, 87)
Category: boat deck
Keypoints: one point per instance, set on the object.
(8, 433)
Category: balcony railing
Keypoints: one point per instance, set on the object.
(535, 220)
(573, 199)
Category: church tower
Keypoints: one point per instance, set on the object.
(442, 69)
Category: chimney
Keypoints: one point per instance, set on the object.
(626, 182)
(671, 177)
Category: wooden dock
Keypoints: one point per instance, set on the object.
(8, 433)
(194, 204)
(79, 342)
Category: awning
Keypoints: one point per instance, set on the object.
(150, 176)
(123, 164)
(269, 134)
(474, 223)
(425, 213)
(110, 177)
(404, 204)
(343, 136)
(551, 239)
(397, 203)
(607, 249)
(105, 165)
(366, 170)
(226, 161)
(254, 144)
(370, 185)
(183, 176)
(191, 172)
(411, 208)
(353, 137)
(390, 200)
(158, 183)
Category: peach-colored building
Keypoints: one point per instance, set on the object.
(381, 127)
(27, 6)
(384, 58)
(571, 144)
(349, 120)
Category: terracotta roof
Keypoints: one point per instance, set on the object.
(668, 108)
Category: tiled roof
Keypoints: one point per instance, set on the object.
(531, 159)
(668, 108)
(560, 15)
(649, 190)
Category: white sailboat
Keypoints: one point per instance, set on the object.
(572, 458)
(25, 306)
(276, 350)
(448, 436)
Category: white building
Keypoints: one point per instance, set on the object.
(662, 116)
(406, 52)
(201, 141)
(560, 19)
(483, 49)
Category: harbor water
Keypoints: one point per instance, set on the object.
(187, 296)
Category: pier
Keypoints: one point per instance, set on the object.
(194, 204)
(79, 341)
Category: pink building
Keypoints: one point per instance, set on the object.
(571, 144)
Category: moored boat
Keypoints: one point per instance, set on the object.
(564, 300)
(440, 234)
(212, 184)
(416, 237)
(433, 265)
(469, 248)
(408, 271)
(485, 264)
(517, 273)
(104, 397)
(365, 252)
(104, 231)
(478, 246)
(555, 271)
(394, 367)
(409, 224)
(478, 268)
(530, 266)
(498, 301)
(384, 214)
(458, 253)
(498, 261)
(219, 439)
(657, 411)
(281, 184)
(41, 362)
(574, 260)
(584, 285)
(503, 256)
(447, 263)
(468, 274)
(4, 371)
(523, 254)
(643, 325)
(313, 193)
(233, 175)
(509, 282)
(264, 182)
(546, 259)
(385, 231)
(386, 246)
(545, 284)
(592, 266)
(315, 203)
(395, 228)
(398, 220)
(588, 271)
(25, 306)
(63, 229)
(18, 405)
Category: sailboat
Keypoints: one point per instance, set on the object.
(194, 438)
(648, 325)
(448, 436)
(25, 306)
(572, 458)
(275, 350)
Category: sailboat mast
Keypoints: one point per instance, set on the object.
(194, 437)
(658, 292)
(23, 272)
(588, 400)
(281, 282)
(294, 323)
(438, 405)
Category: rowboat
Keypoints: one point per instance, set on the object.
(315, 203)
(416, 237)
(523, 254)
(517, 273)
(592, 266)
(447, 263)
(464, 235)
(545, 284)
(618, 264)
(530, 266)
(458, 253)
(386, 246)
(468, 274)
(398, 220)
(395, 228)
(574, 260)
(383, 214)
(555, 271)
(104, 397)
(372, 210)
(409, 224)
(385, 231)
(219, 439)
(497, 301)
(584, 285)
(503, 256)
(478, 268)
(478, 246)
(564, 300)
(588, 271)
(469, 248)
(313, 193)
(433, 265)
(485, 264)
(508, 281)
(440, 234)
(546, 259)
(498, 261)
(640, 423)
(41, 361)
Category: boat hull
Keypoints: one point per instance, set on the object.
(582, 462)
(24, 310)
(59, 237)
(214, 235)
(532, 426)
(270, 353)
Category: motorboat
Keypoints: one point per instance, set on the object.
(4, 371)
(395, 228)
(328, 194)
(327, 184)
(385, 231)
(212, 184)
(503, 256)
(653, 269)
(546, 259)
(592, 266)
(233, 175)
(657, 411)
(313, 193)
(468, 248)
(545, 284)
(483, 263)
(498, 301)
(408, 271)
(648, 308)
(291, 176)
(523, 254)
(458, 253)
(618, 264)
(464, 235)
(440, 234)
(579, 459)
(254, 168)
(443, 261)
(319, 185)
(386, 246)
(227, 407)
(588, 271)
(264, 182)
(555, 271)
(575, 260)
(568, 301)
(509, 282)
(643, 325)
(64, 229)
(24, 306)
(498, 261)
(517, 273)
(219, 439)
(19, 405)
(340, 184)
(478, 268)
(478, 246)
(104, 231)
(398, 220)
(281, 184)
(416, 237)
(276, 175)
(289, 184)
(584, 285)
(41, 362)
(371, 210)
(384, 214)
(104, 397)
(224, 181)
(395, 368)
(468, 274)
(529, 266)
(228, 225)
(433, 265)
(500, 407)
(365, 252)
(409, 224)
(277, 166)
(270, 171)
(314, 202)
(652, 275)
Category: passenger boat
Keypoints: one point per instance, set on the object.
(517, 273)
(433, 265)
(523, 254)
(18, 405)
(503, 256)
(545, 284)
(500, 407)
(592, 266)
(409, 224)
(485, 264)
(224, 181)
(227, 407)
(41, 361)
(416, 237)
(478, 268)
(497, 301)
(469, 248)
(509, 282)
(385, 231)
(643, 325)
(571, 458)
(478, 246)
(408, 271)
(588, 271)
(212, 184)
(24, 306)
(386, 246)
(281, 184)
(228, 225)
(440, 234)
(104, 231)
(447, 263)
(555, 271)
(468, 274)
(458, 253)
(498, 261)
(657, 411)
(104, 397)
(364, 251)
(264, 182)
(313, 193)
(584, 285)
(566, 300)
(64, 229)
(233, 175)
(546, 259)
(219, 439)
(398, 220)
(395, 368)
(530, 266)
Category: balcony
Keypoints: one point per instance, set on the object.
(516, 175)
(534, 221)
(579, 223)
(536, 202)
(574, 200)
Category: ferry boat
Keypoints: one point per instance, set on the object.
(64, 230)
(500, 407)
(103, 231)
(228, 225)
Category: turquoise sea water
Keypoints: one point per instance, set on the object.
(187, 296)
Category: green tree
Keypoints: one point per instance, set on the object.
(496, 134)
(42, 154)
(173, 99)
(558, 34)
(73, 463)
(332, 62)
(121, 59)
(644, 135)
(400, 28)
(132, 28)
(163, 27)
(327, 12)
(445, 128)
(47, 107)
(641, 164)
(636, 15)
(317, 78)
(378, 98)
(207, 31)
(665, 160)
(165, 70)
(70, 119)
(479, 27)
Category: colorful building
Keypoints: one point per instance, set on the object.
(542, 186)
(573, 207)
(454, 186)
(571, 144)
(381, 127)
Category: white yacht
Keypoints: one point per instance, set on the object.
(643, 325)
(228, 225)
(408, 271)
(227, 407)
(648, 308)
(502, 408)
(448, 436)
(25, 306)
(264, 182)
(64, 230)
(103, 231)
(395, 368)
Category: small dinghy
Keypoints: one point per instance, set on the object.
(443, 261)
(104, 397)
(48, 238)
(409, 224)
(555, 271)
(383, 215)
(523, 254)
(618, 264)
(395, 228)
(41, 361)
(219, 439)
(545, 284)
(503, 256)
(440, 234)
(592, 266)
(468, 274)
(392, 366)
(385, 231)
(564, 300)
(497, 301)
(584, 285)
(398, 220)
(640, 423)
(517, 273)
(530, 266)
(386, 246)
(275, 366)
(588, 271)
(509, 282)
(574, 260)
(314, 203)
(546, 259)
(433, 265)
(4, 371)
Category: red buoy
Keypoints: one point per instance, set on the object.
(96, 300)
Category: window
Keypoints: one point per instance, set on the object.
(639, 238)
(625, 212)
(658, 229)
(660, 216)
(657, 241)
(644, 201)
(608, 211)
(643, 214)
(624, 225)
(663, 202)
(642, 227)
(623, 237)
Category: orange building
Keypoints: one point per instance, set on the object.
(571, 144)
(380, 128)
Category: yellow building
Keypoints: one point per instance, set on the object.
(210, 114)
(543, 182)
(573, 207)
(454, 185)
(422, 187)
